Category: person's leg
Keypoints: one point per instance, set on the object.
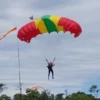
(52, 73)
(48, 73)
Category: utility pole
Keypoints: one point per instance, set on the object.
(20, 85)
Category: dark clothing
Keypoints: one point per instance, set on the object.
(50, 70)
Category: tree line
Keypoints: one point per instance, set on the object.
(47, 95)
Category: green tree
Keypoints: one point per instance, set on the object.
(94, 89)
(46, 95)
(5, 97)
(52, 97)
(32, 94)
(80, 96)
(59, 96)
(2, 87)
(17, 97)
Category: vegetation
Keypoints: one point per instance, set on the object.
(46, 95)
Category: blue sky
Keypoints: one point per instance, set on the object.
(77, 59)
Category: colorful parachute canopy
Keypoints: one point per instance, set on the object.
(35, 88)
(48, 24)
(4, 35)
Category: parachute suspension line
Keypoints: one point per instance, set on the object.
(20, 85)
(58, 39)
(57, 46)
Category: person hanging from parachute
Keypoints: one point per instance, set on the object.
(48, 24)
(50, 68)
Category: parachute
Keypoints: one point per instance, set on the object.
(48, 24)
(35, 88)
(4, 35)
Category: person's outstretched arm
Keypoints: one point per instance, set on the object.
(47, 61)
